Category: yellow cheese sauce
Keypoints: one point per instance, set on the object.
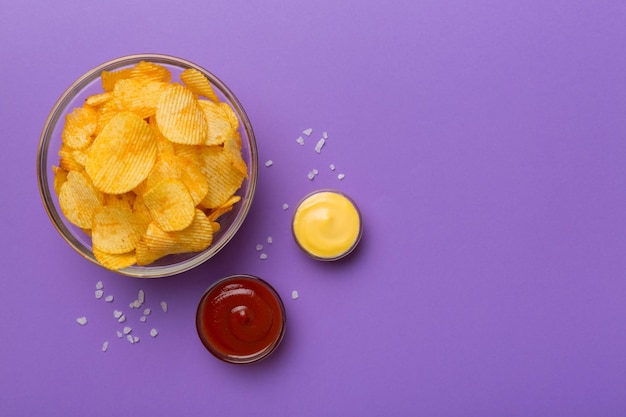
(327, 225)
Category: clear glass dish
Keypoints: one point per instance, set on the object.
(50, 143)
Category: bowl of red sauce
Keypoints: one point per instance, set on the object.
(241, 319)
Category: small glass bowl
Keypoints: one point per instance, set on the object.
(310, 251)
(50, 143)
(232, 319)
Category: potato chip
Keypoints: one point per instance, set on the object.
(110, 78)
(60, 176)
(97, 100)
(232, 147)
(149, 71)
(120, 200)
(79, 127)
(115, 261)
(230, 114)
(224, 179)
(116, 230)
(173, 166)
(170, 205)
(157, 243)
(198, 84)
(179, 116)
(122, 155)
(72, 159)
(79, 199)
(138, 95)
(219, 127)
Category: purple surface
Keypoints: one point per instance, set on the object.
(484, 143)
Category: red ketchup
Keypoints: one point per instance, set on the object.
(241, 319)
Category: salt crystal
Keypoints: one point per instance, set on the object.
(122, 319)
(294, 294)
(127, 330)
(81, 320)
(300, 140)
(108, 298)
(310, 175)
(135, 339)
(147, 312)
(132, 304)
(130, 339)
(143, 319)
(269, 163)
(332, 167)
(105, 346)
(117, 314)
(269, 240)
(99, 294)
(119, 334)
(285, 206)
(259, 247)
(341, 176)
(141, 297)
(263, 256)
(325, 135)
(308, 131)
(136, 304)
(154, 332)
(164, 306)
(320, 143)
(315, 171)
(99, 285)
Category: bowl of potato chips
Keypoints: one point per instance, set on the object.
(147, 165)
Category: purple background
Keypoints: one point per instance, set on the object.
(484, 143)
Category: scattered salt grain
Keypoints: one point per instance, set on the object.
(117, 314)
(81, 320)
(308, 131)
(119, 334)
(315, 171)
(259, 247)
(269, 163)
(108, 298)
(263, 256)
(285, 206)
(135, 339)
(136, 304)
(300, 140)
(122, 319)
(164, 306)
(320, 143)
(99, 294)
(130, 339)
(127, 330)
(341, 176)
(332, 167)
(154, 332)
(143, 319)
(105, 346)
(311, 175)
(146, 312)
(141, 296)
(294, 294)
(325, 135)
(270, 240)
(99, 285)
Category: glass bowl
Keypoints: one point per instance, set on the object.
(50, 143)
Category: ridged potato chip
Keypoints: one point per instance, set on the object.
(79, 127)
(170, 205)
(79, 199)
(149, 71)
(173, 166)
(156, 243)
(223, 177)
(116, 230)
(115, 261)
(122, 155)
(179, 116)
(198, 84)
(219, 126)
(110, 78)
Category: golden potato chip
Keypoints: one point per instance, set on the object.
(141, 211)
(60, 176)
(232, 147)
(230, 114)
(223, 177)
(180, 118)
(216, 227)
(120, 200)
(122, 155)
(170, 205)
(98, 99)
(72, 159)
(80, 124)
(116, 230)
(79, 199)
(149, 71)
(138, 95)
(115, 261)
(164, 146)
(198, 84)
(157, 243)
(219, 127)
(173, 166)
(110, 78)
